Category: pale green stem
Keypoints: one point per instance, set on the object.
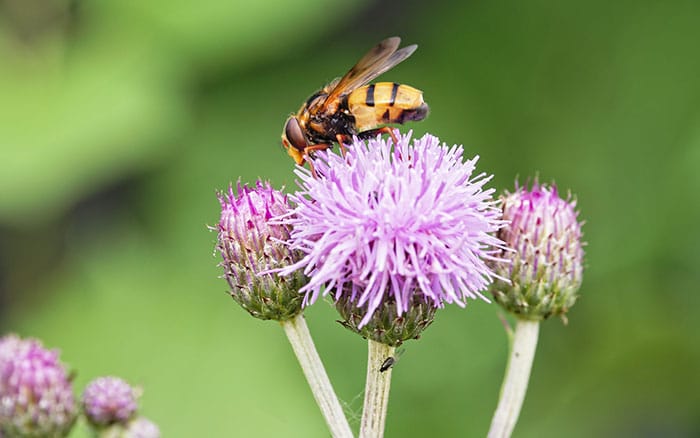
(376, 390)
(298, 334)
(522, 353)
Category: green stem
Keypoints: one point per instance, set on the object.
(514, 387)
(376, 390)
(299, 336)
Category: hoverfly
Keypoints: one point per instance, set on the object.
(348, 106)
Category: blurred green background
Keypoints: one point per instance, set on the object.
(120, 119)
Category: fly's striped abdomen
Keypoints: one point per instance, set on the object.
(385, 102)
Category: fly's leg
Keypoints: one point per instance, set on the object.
(390, 131)
(341, 138)
(382, 130)
(313, 148)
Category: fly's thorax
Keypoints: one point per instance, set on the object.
(324, 128)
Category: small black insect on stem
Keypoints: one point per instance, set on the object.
(388, 363)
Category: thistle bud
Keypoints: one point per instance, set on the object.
(10, 346)
(36, 396)
(139, 427)
(142, 427)
(109, 400)
(252, 247)
(546, 257)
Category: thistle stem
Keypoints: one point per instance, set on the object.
(522, 353)
(299, 336)
(376, 390)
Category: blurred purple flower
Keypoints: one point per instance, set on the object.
(141, 427)
(108, 400)
(36, 396)
(546, 266)
(395, 223)
(10, 346)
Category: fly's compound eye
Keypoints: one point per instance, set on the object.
(294, 134)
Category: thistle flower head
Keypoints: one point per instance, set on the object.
(137, 427)
(546, 261)
(252, 246)
(141, 427)
(393, 231)
(108, 400)
(36, 396)
(10, 346)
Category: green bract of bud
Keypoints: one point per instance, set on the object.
(545, 262)
(252, 248)
(385, 324)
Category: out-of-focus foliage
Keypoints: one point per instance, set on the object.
(119, 119)
(96, 91)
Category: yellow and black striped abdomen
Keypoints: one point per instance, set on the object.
(385, 102)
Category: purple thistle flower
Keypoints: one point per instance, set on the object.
(36, 396)
(10, 346)
(108, 400)
(137, 427)
(252, 247)
(407, 225)
(141, 427)
(546, 261)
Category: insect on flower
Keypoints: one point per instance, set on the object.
(348, 106)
